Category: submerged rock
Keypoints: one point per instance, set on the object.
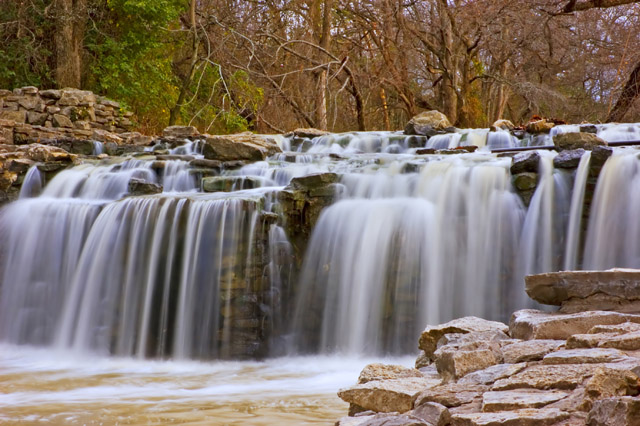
(142, 187)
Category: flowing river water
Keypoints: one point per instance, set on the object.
(119, 309)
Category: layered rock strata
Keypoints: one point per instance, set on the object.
(580, 366)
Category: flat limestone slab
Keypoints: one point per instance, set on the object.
(627, 342)
(529, 350)
(584, 356)
(519, 398)
(429, 338)
(524, 417)
(528, 324)
(554, 288)
(543, 377)
(386, 396)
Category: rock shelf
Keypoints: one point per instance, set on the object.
(544, 368)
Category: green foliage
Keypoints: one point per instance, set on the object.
(25, 50)
(131, 50)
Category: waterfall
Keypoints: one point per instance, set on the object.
(408, 240)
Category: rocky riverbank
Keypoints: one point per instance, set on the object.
(574, 367)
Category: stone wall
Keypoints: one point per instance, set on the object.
(28, 114)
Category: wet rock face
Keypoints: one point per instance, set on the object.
(142, 187)
(569, 141)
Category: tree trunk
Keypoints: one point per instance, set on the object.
(70, 17)
(321, 21)
(629, 94)
(186, 81)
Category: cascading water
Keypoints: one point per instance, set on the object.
(410, 239)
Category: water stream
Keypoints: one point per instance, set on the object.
(153, 309)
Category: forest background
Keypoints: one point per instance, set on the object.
(273, 65)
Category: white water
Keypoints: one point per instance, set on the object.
(411, 239)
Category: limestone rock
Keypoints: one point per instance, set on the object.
(493, 373)
(430, 336)
(519, 398)
(457, 363)
(529, 350)
(391, 419)
(181, 132)
(615, 411)
(308, 133)
(386, 395)
(527, 161)
(16, 116)
(75, 97)
(427, 123)
(628, 342)
(142, 187)
(432, 413)
(44, 153)
(60, 120)
(136, 138)
(554, 288)
(530, 324)
(542, 377)
(524, 417)
(502, 124)
(229, 183)
(568, 159)
(583, 356)
(607, 383)
(51, 94)
(451, 394)
(540, 126)
(36, 118)
(243, 146)
(105, 136)
(373, 372)
(577, 140)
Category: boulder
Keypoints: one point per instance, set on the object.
(451, 394)
(75, 97)
(527, 161)
(540, 376)
(106, 137)
(627, 341)
(530, 324)
(243, 146)
(180, 132)
(51, 94)
(142, 187)
(427, 123)
(564, 141)
(607, 383)
(525, 181)
(432, 334)
(387, 396)
(587, 290)
(524, 417)
(568, 159)
(502, 124)
(539, 126)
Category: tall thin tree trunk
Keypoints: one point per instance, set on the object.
(385, 109)
(70, 17)
(186, 81)
(629, 94)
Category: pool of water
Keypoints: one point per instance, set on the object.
(43, 386)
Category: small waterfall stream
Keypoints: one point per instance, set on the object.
(409, 239)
